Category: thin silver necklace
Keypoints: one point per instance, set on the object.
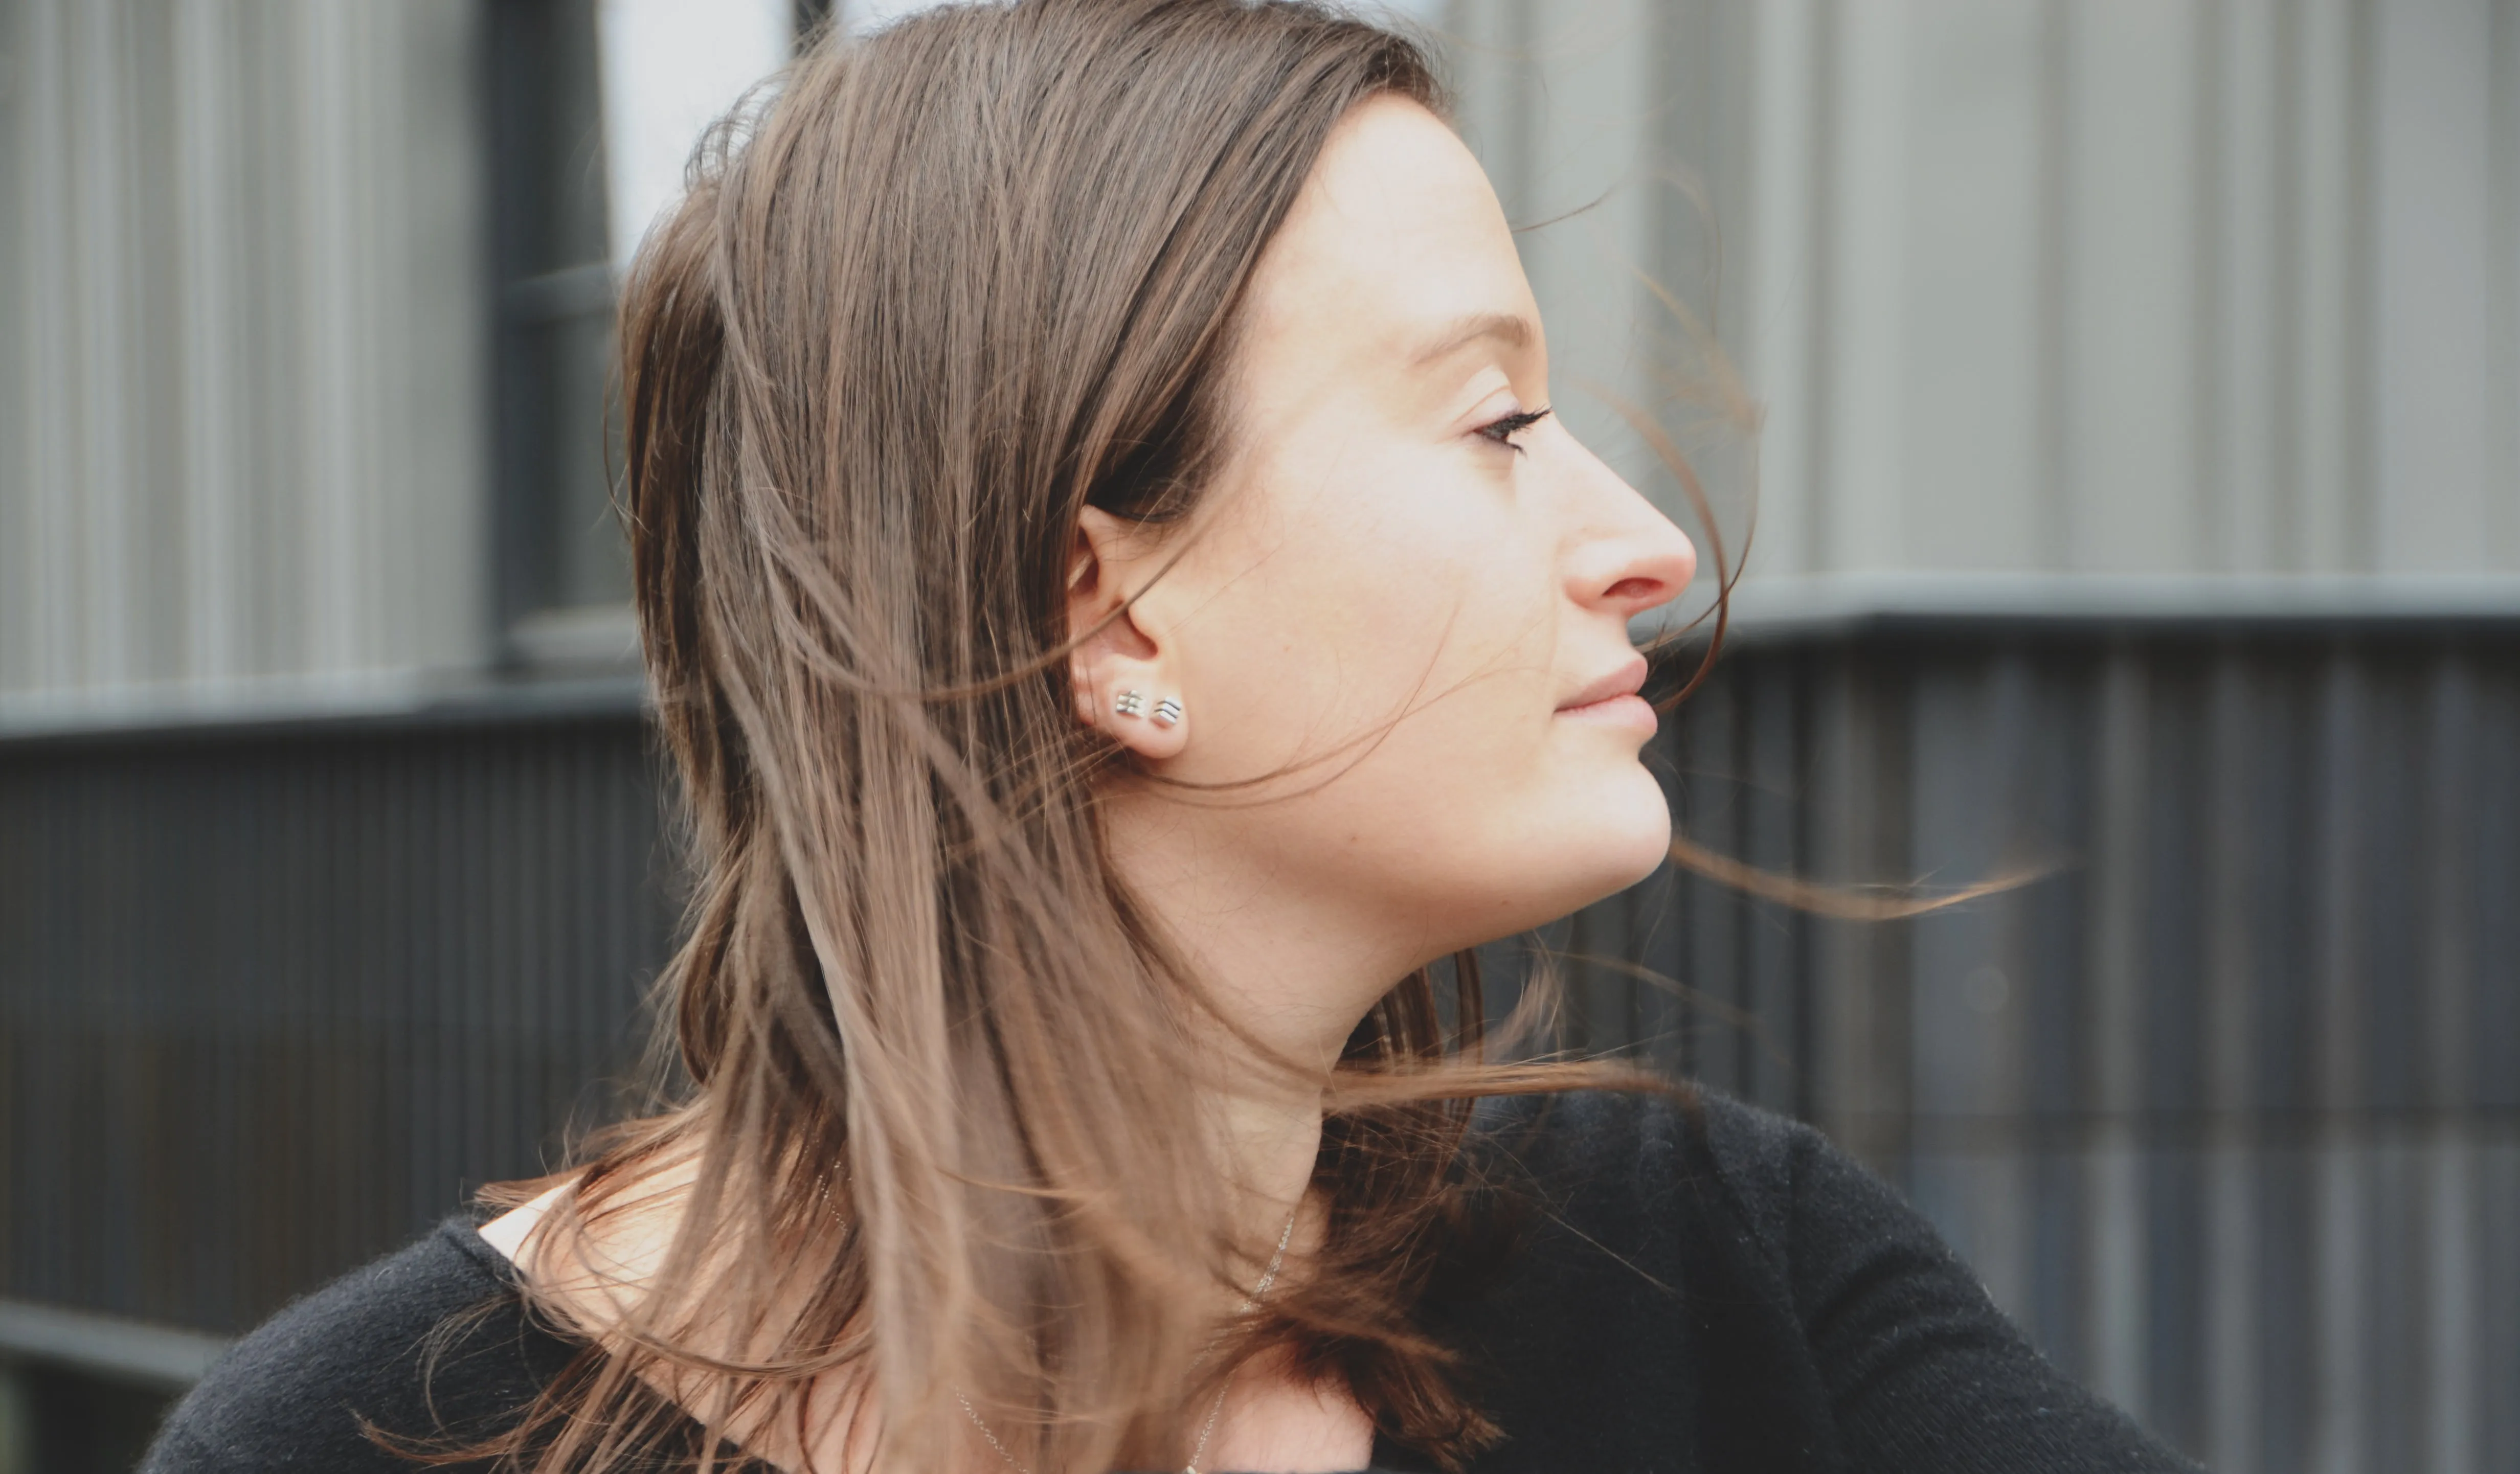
(1215, 1409)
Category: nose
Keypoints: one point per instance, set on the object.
(1627, 558)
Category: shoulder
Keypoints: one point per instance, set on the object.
(429, 1342)
(1653, 1304)
(1648, 1147)
(1695, 1184)
(1822, 1302)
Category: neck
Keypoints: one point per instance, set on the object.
(1272, 1144)
(1293, 968)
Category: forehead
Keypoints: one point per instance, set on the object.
(1395, 240)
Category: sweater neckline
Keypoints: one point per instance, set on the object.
(464, 1231)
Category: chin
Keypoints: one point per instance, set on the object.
(1632, 835)
(1618, 817)
(1601, 843)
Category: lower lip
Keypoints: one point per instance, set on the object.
(1630, 711)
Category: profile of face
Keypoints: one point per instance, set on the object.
(1404, 601)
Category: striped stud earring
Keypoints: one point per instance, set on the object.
(1130, 703)
(1167, 712)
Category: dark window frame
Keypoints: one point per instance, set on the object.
(551, 282)
(554, 548)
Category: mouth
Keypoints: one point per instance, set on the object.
(1612, 699)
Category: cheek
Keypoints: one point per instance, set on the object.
(1325, 616)
(1425, 610)
(1432, 603)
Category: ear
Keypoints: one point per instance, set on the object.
(1119, 651)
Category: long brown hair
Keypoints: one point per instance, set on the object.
(944, 289)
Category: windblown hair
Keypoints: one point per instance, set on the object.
(945, 288)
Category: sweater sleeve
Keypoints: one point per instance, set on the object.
(370, 1350)
(1920, 1370)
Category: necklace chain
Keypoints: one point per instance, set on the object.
(1215, 1409)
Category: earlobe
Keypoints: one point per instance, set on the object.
(1130, 702)
(1147, 720)
(1120, 674)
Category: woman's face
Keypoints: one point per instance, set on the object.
(1406, 595)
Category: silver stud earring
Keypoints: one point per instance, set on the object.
(1167, 712)
(1130, 703)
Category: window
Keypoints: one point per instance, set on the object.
(562, 571)
(566, 216)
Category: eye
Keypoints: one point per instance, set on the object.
(1502, 431)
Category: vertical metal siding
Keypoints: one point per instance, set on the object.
(2225, 1110)
(2222, 1109)
(240, 391)
(2100, 286)
(272, 1004)
(2228, 1110)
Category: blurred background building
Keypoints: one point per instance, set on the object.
(2139, 500)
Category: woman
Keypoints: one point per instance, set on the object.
(1123, 614)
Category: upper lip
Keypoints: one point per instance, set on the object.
(1626, 681)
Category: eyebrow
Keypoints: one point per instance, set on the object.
(1511, 329)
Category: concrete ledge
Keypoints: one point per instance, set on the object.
(580, 660)
(1837, 604)
(388, 699)
(130, 1351)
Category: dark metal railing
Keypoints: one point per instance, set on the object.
(271, 1003)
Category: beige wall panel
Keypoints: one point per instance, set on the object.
(1700, 197)
(30, 173)
(1588, 206)
(207, 86)
(1859, 510)
(101, 234)
(2324, 351)
(274, 282)
(434, 538)
(1974, 473)
(2501, 297)
(2240, 412)
(2119, 286)
(45, 468)
(242, 243)
(1774, 249)
(2433, 196)
(2130, 344)
(337, 464)
(157, 530)
(16, 609)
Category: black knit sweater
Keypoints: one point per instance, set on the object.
(1699, 1288)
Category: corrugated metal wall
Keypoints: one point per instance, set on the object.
(271, 1002)
(2225, 1110)
(2071, 290)
(242, 347)
(2113, 285)
(2116, 285)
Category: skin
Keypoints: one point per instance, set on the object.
(1410, 613)
(1406, 604)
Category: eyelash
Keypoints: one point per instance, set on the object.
(1502, 431)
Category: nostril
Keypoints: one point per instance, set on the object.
(1631, 588)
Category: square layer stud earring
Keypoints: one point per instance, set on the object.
(1167, 712)
(1130, 703)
